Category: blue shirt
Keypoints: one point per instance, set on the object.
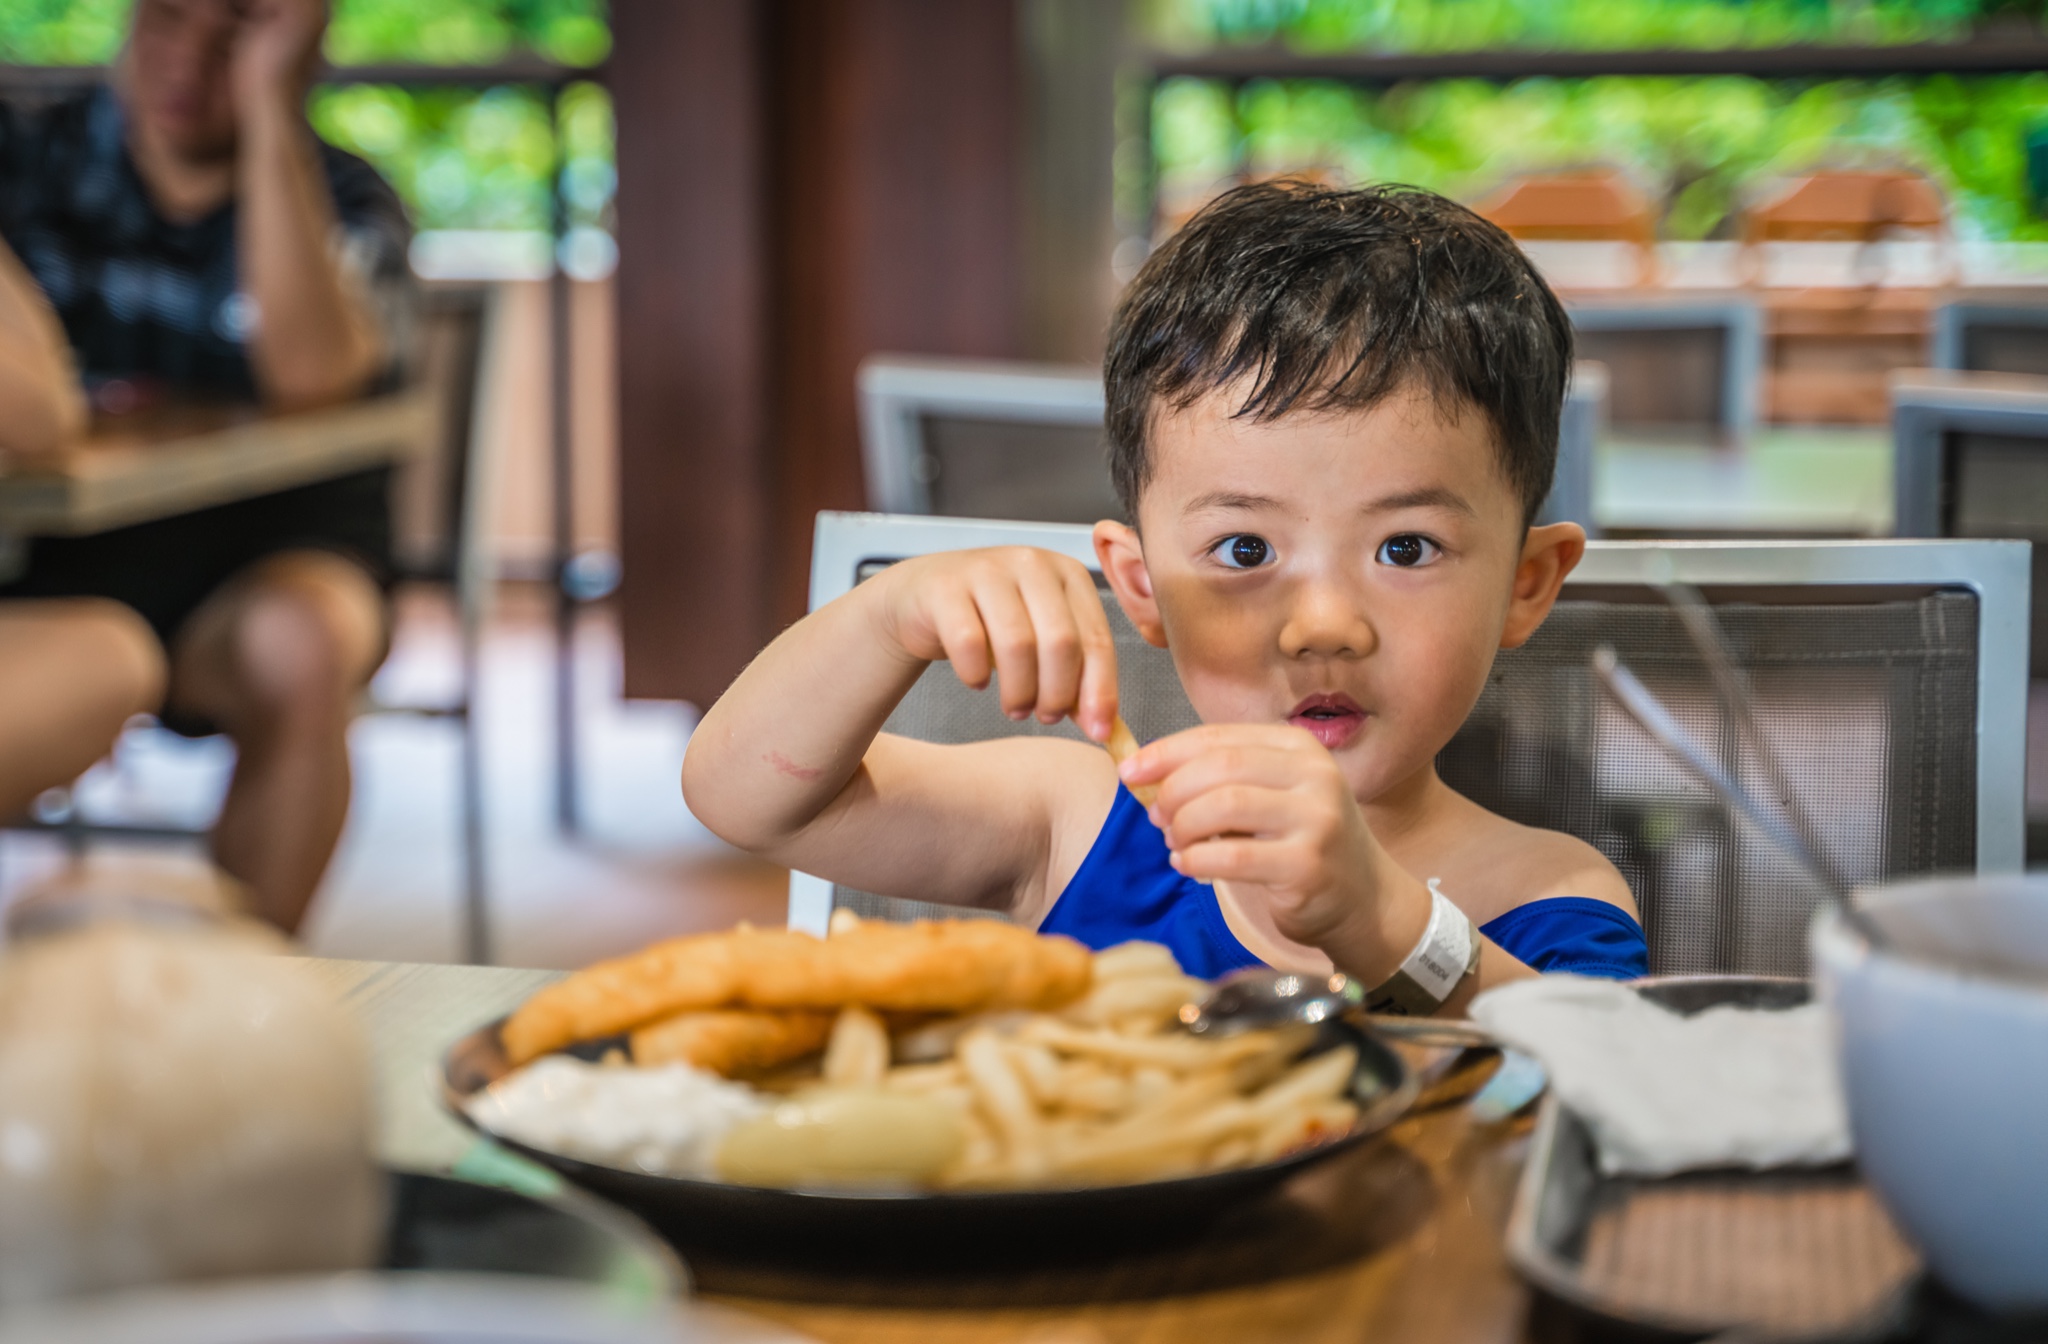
(1125, 890)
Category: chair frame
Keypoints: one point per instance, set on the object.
(1996, 571)
(897, 392)
(1952, 322)
(1742, 357)
(1930, 405)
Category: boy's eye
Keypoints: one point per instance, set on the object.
(1408, 550)
(1243, 551)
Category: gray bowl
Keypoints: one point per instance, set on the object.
(1944, 1050)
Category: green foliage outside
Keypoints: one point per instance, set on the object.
(461, 158)
(436, 32)
(1599, 25)
(1696, 144)
(477, 160)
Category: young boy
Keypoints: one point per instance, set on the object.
(1332, 418)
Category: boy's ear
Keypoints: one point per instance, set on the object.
(1123, 563)
(1549, 555)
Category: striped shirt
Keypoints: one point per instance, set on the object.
(145, 298)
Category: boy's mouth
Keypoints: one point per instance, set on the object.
(1333, 719)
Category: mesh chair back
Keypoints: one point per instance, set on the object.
(1870, 704)
(1022, 469)
(1972, 461)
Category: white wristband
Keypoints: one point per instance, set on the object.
(1445, 955)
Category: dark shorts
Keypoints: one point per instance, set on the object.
(165, 569)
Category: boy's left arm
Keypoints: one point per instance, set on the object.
(1265, 808)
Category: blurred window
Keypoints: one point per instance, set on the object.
(1609, 25)
(1699, 146)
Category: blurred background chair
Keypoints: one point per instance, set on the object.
(2002, 337)
(1890, 677)
(1594, 205)
(977, 439)
(980, 439)
(1971, 460)
(1683, 363)
(1830, 345)
(441, 505)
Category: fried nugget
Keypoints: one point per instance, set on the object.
(731, 1041)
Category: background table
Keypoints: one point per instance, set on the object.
(1785, 480)
(177, 459)
(1400, 1241)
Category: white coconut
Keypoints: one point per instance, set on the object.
(177, 1103)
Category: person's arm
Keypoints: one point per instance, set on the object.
(791, 762)
(42, 407)
(1265, 808)
(314, 340)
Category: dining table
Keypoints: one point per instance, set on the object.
(176, 458)
(1400, 1239)
(1777, 480)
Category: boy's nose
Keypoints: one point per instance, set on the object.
(1324, 622)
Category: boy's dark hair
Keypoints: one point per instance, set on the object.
(1330, 300)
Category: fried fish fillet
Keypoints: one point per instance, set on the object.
(678, 975)
(731, 1041)
(938, 966)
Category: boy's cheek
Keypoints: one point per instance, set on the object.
(1222, 648)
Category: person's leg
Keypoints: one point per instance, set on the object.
(72, 671)
(277, 658)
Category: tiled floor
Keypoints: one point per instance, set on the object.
(642, 869)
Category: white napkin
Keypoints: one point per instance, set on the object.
(1662, 1093)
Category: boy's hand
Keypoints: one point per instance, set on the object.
(1265, 808)
(1030, 617)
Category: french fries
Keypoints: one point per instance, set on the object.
(1106, 1089)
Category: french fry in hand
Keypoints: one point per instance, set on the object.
(1122, 745)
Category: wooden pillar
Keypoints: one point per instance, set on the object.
(694, 517)
(866, 200)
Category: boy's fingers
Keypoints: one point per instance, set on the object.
(1059, 643)
(1238, 859)
(1233, 810)
(1098, 695)
(962, 637)
(1161, 758)
(1257, 766)
(1013, 642)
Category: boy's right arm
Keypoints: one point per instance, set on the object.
(791, 762)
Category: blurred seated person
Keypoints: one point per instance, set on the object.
(192, 235)
(72, 670)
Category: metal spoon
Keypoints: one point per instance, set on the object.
(1257, 997)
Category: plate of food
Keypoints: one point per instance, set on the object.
(938, 1082)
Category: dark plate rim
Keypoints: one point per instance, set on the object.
(1375, 1117)
(1527, 1248)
